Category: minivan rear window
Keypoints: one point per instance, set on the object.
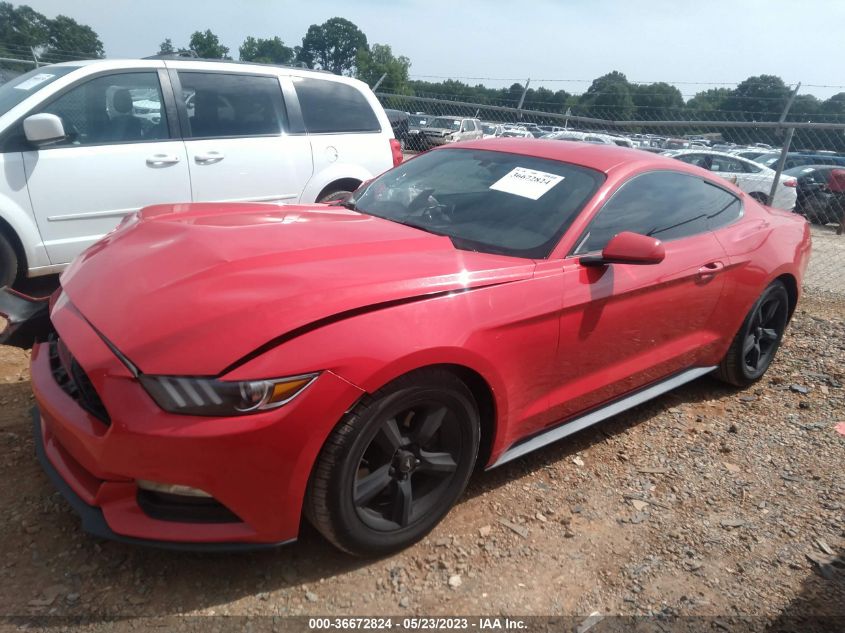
(331, 107)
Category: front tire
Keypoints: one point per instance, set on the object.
(754, 346)
(396, 464)
(8, 263)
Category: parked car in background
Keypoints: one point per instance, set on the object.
(84, 144)
(799, 159)
(590, 137)
(400, 124)
(753, 178)
(516, 133)
(443, 130)
(491, 130)
(547, 286)
(416, 122)
(816, 201)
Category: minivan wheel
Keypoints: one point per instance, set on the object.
(754, 346)
(8, 262)
(396, 464)
(332, 195)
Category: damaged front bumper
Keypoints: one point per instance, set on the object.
(26, 319)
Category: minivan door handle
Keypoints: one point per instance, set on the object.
(708, 271)
(208, 158)
(162, 160)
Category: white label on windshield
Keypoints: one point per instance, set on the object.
(33, 81)
(527, 183)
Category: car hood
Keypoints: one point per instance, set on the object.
(437, 131)
(190, 289)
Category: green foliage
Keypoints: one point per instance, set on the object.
(333, 46)
(379, 60)
(709, 100)
(656, 101)
(166, 47)
(207, 45)
(60, 39)
(69, 38)
(608, 97)
(266, 51)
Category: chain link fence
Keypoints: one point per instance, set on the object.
(786, 162)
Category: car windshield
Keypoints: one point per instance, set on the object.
(418, 120)
(492, 202)
(15, 91)
(446, 124)
(488, 129)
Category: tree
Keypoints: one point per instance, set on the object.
(760, 98)
(208, 46)
(609, 97)
(708, 100)
(69, 39)
(166, 47)
(269, 51)
(372, 63)
(22, 27)
(332, 45)
(656, 101)
(835, 105)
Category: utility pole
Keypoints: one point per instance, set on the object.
(378, 83)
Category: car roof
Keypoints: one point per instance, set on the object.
(599, 157)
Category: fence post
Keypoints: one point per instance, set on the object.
(35, 57)
(522, 98)
(378, 83)
(786, 143)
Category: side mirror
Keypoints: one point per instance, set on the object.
(43, 129)
(628, 248)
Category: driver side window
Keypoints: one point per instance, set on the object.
(118, 108)
(664, 204)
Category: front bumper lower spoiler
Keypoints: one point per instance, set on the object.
(94, 523)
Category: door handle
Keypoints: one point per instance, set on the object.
(708, 271)
(209, 158)
(162, 160)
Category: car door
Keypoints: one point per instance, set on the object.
(120, 154)
(238, 138)
(624, 326)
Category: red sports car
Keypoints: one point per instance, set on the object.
(221, 369)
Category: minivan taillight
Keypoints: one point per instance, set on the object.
(396, 151)
(790, 183)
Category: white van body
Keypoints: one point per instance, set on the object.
(142, 132)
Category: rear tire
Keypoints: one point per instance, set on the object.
(395, 465)
(754, 346)
(8, 262)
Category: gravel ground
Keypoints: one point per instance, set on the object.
(706, 502)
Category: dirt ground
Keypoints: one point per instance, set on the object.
(706, 502)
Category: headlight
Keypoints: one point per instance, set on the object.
(213, 397)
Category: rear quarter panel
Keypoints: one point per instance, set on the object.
(763, 245)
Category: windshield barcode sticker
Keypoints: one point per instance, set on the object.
(33, 81)
(527, 183)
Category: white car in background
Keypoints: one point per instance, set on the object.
(753, 178)
(590, 137)
(85, 143)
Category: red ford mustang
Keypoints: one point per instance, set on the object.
(221, 369)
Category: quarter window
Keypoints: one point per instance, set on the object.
(332, 106)
(664, 204)
(224, 104)
(119, 108)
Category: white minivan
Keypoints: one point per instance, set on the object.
(83, 144)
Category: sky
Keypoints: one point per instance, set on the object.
(693, 44)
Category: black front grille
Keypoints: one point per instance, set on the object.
(70, 376)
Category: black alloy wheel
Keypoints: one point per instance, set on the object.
(395, 465)
(754, 346)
